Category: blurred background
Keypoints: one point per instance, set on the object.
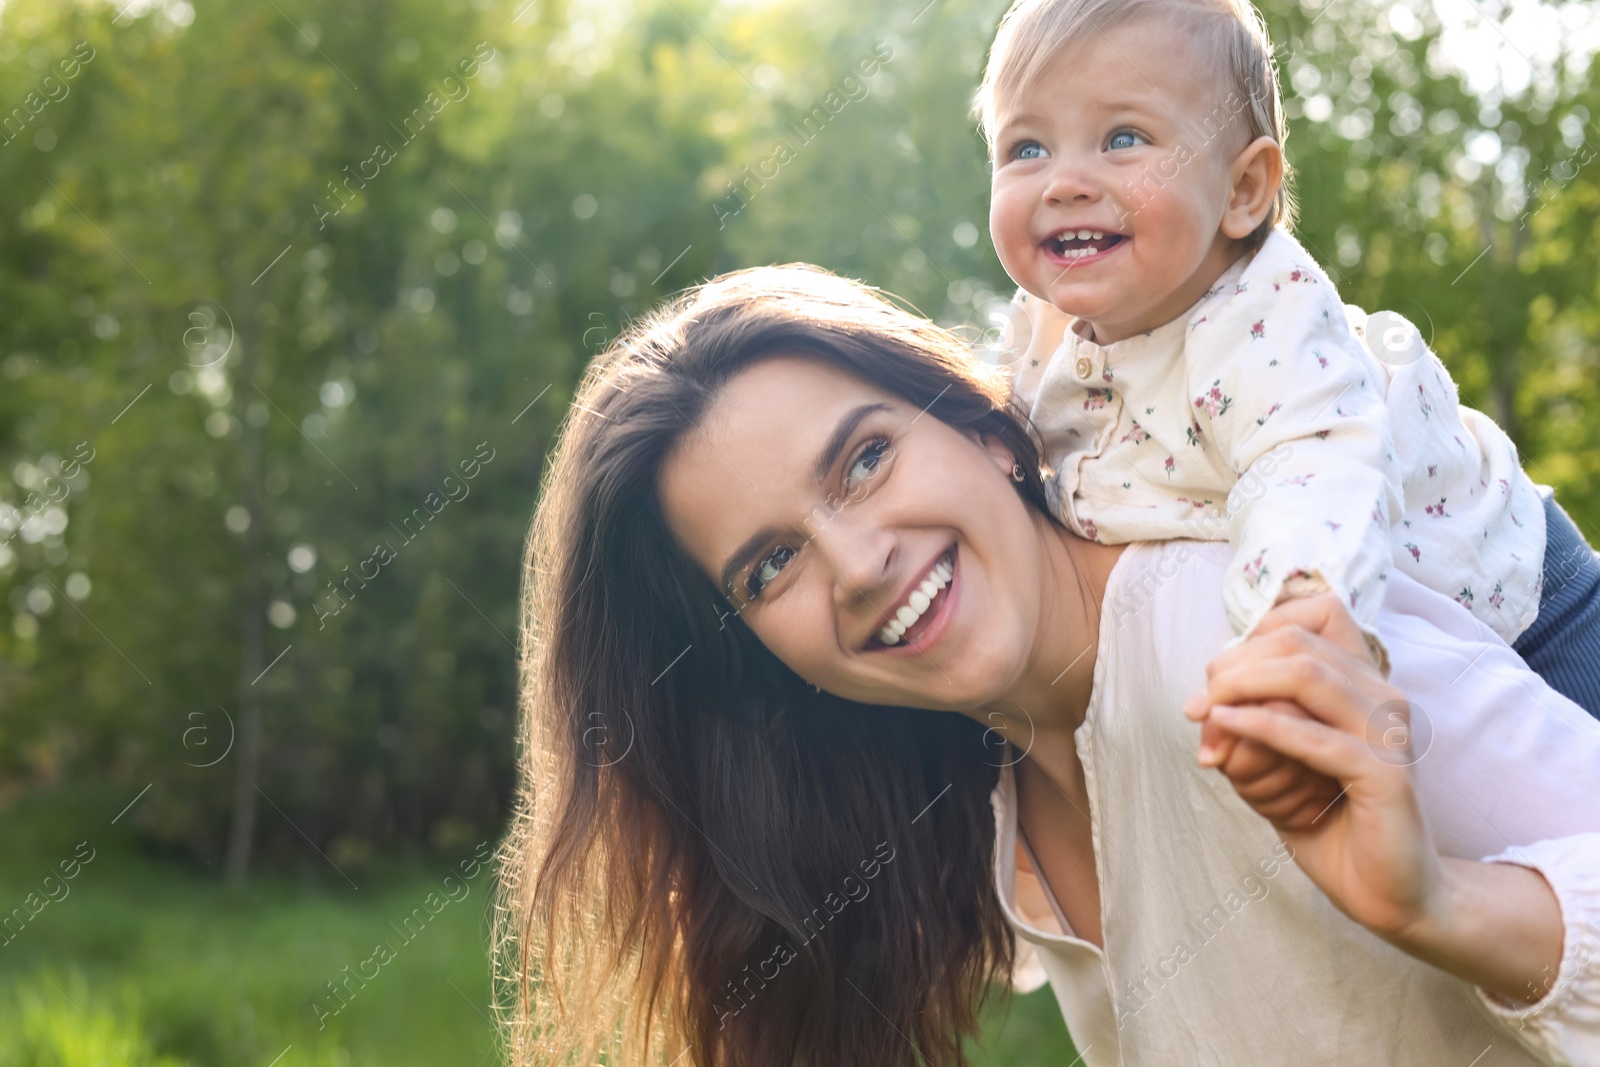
(294, 293)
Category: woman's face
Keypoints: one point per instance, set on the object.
(820, 503)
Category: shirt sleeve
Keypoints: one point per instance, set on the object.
(1504, 769)
(1294, 404)
(1562, 1026)
(1029, 332)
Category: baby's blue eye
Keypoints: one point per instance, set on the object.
(1124, 139)
(1029, 150)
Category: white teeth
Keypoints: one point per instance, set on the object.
(1081, 235)
(919, 601)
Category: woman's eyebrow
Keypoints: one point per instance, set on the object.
(825, 461)
(841, 437)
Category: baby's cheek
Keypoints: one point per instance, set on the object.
(1007, 224)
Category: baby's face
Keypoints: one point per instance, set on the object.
(1111, 177)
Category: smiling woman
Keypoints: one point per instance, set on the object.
(728, 705)
(854, 608)
(690, 799)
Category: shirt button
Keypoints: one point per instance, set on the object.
(1084, 366)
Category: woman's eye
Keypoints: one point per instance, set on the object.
(767, 570)
(865, 467)
(1028, 150)
(868, 461)
(1124, 139)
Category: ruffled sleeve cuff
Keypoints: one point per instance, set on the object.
(1563, 1026)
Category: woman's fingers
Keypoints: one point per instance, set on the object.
(1297, 808)
(1285, 791)
(1286, 714)
(1284, 642)
(1243, 762)
(1319, 746)
(1246, 659)
(1260, 775)
(1216, 744)
(1319, 624)
(1326, 691)
(1324, 615)
(1291, 796)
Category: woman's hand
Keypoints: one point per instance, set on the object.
(1496, 925)
(1285, 791)
(1370, 851)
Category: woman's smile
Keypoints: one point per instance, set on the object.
(880, 553)
(919, 618)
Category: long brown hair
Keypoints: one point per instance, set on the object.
(710, 863)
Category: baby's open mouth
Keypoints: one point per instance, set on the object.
(1076, 244)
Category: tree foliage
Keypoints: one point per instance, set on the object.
(287, 273)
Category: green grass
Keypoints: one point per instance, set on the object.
(156, 964)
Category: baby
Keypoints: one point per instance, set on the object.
(1194, 373)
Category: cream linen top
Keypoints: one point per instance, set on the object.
(1261, 417)
(1218, 949)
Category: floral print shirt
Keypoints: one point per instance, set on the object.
(1262, 417)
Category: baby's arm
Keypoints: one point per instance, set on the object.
(1293, 402)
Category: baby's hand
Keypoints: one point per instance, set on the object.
(1284, 791)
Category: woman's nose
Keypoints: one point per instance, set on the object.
(860, 556)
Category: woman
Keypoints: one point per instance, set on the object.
(786, 527)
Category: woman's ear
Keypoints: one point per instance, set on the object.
(998, 452)
(1255, 176)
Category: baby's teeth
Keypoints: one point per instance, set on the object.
(1083, 235)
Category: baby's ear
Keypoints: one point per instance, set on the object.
(1256, 175)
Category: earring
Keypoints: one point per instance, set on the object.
(1016, 472)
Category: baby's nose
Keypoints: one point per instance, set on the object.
(1071, 183)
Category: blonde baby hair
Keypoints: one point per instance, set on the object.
(1231, 32)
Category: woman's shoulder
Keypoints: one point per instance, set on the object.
(1162, 621)
(1155, 579)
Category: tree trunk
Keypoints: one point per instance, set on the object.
(252, 609)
